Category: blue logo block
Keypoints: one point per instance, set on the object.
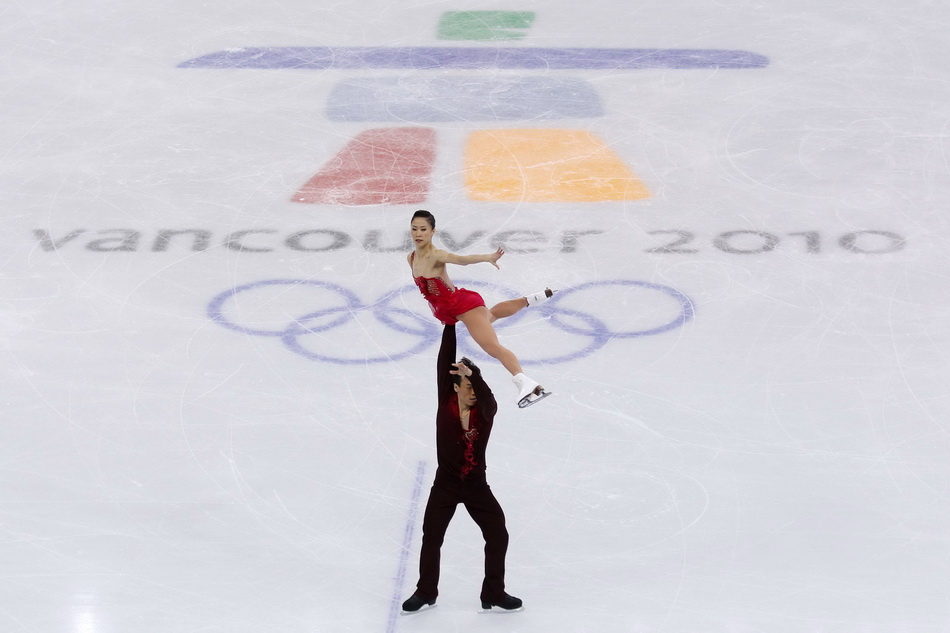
(468, 98)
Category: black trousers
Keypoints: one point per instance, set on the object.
(485, 510)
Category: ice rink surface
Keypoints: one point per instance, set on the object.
(218, 381)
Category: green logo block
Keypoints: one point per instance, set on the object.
(484, 25)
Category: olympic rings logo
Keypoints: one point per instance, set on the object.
(326, 322)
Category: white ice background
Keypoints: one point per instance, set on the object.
(778, 464)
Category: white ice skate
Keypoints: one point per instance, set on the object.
(529, 392)
(539, 297)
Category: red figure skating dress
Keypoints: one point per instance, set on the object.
(446, 303)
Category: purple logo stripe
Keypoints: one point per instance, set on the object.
(426, 58)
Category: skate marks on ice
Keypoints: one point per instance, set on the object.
(824, 151)
(658, 499)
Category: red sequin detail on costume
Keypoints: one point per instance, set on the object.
(432, 286)
(447, 303)
(470, 436)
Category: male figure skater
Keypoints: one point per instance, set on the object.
(463, 425)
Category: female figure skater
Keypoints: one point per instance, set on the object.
(451, 305)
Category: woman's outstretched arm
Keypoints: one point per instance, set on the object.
(464, 260)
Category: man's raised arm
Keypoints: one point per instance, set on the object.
(446, 361)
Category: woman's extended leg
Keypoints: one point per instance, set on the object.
(513, 306)
(479, 324)
(507, 308)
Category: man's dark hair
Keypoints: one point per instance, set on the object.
(422, 213)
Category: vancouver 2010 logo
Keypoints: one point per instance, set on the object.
(393, 165)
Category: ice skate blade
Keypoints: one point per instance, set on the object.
(426, 607)
(500, 610)
(533, 398)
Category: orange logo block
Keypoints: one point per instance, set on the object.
(544, 165)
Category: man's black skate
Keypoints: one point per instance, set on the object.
(415, 603)
(508, 603)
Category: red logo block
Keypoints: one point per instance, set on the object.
(379, 166)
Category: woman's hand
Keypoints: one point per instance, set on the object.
(461, 369)
(494, 257)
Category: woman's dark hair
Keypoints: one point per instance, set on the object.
(422, 213)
